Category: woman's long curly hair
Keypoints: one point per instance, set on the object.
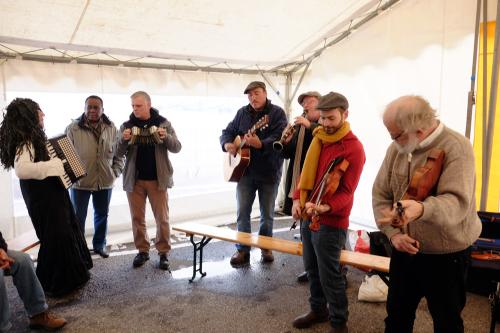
(21, 126)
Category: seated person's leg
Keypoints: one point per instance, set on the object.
(27, 284)
(4, 305)
(31, 292)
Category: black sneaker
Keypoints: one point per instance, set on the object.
(164, 263)
(302, 277)
(140, 259)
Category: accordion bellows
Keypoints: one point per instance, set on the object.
(61, 147)
(145, 136)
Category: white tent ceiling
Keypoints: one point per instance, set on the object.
(223, 35)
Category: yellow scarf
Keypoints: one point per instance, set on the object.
(308, 175)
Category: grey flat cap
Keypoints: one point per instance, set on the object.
(308, 94)
(254, 84)
(333, 100)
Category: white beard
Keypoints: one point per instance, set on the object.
(408, 147)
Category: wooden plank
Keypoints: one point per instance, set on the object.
(365, 261)
(357, 259)
(24, 242)
(263, 242)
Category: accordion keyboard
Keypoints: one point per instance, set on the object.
(62, 148)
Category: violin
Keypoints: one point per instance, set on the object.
(485, 255)
(327, 186)
(423, 183)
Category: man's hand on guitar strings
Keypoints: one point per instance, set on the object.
(253, 140)
(230, 148)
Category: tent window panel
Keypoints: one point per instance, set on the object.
(197, 120)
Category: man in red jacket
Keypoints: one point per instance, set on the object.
(333, 142)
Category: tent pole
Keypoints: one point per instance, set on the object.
(485, 96)
(346, 33)
(288, 98)
(491, 114)
(471, 96)
(300, 80)
(272, 86)
(4, 82)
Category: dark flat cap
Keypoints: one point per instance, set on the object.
(333, 100)
(308, 94)
(254, 84)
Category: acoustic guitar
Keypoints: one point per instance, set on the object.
(235, 165)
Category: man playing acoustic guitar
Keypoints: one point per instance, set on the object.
(263, 173)
(432, 235)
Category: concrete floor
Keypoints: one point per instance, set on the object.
(259, 298)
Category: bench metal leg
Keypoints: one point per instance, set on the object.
(198, 247)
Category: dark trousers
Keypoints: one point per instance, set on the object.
(321, 255)
(100, 202)
(440, 278)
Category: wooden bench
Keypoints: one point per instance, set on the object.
(23, 242)
(378, 264)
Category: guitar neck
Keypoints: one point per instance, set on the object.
(243, 141)
(260, 124)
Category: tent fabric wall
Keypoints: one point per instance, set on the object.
(419, 47)
(399, 53)
(66, 78)
(47, 82)
(493, 198)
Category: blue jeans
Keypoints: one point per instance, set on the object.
(245, 196)
(100, 202)
(321, 255)
(27, 284)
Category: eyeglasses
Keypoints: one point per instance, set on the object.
(397, 136)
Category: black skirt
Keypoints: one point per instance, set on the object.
(64, 258)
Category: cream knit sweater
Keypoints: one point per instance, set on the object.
(449, 222)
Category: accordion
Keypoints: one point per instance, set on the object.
(61, 147)
(144, 136)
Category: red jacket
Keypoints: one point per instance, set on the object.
(340, 202)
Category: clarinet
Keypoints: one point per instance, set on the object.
(287, 132)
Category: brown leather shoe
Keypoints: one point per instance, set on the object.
(310, 318)
(240, 258)
(339, 329)
(46, 321)
(267, 256)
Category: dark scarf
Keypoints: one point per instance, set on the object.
(154, 120)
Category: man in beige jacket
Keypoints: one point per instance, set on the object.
(95, 137)
(433, 235)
